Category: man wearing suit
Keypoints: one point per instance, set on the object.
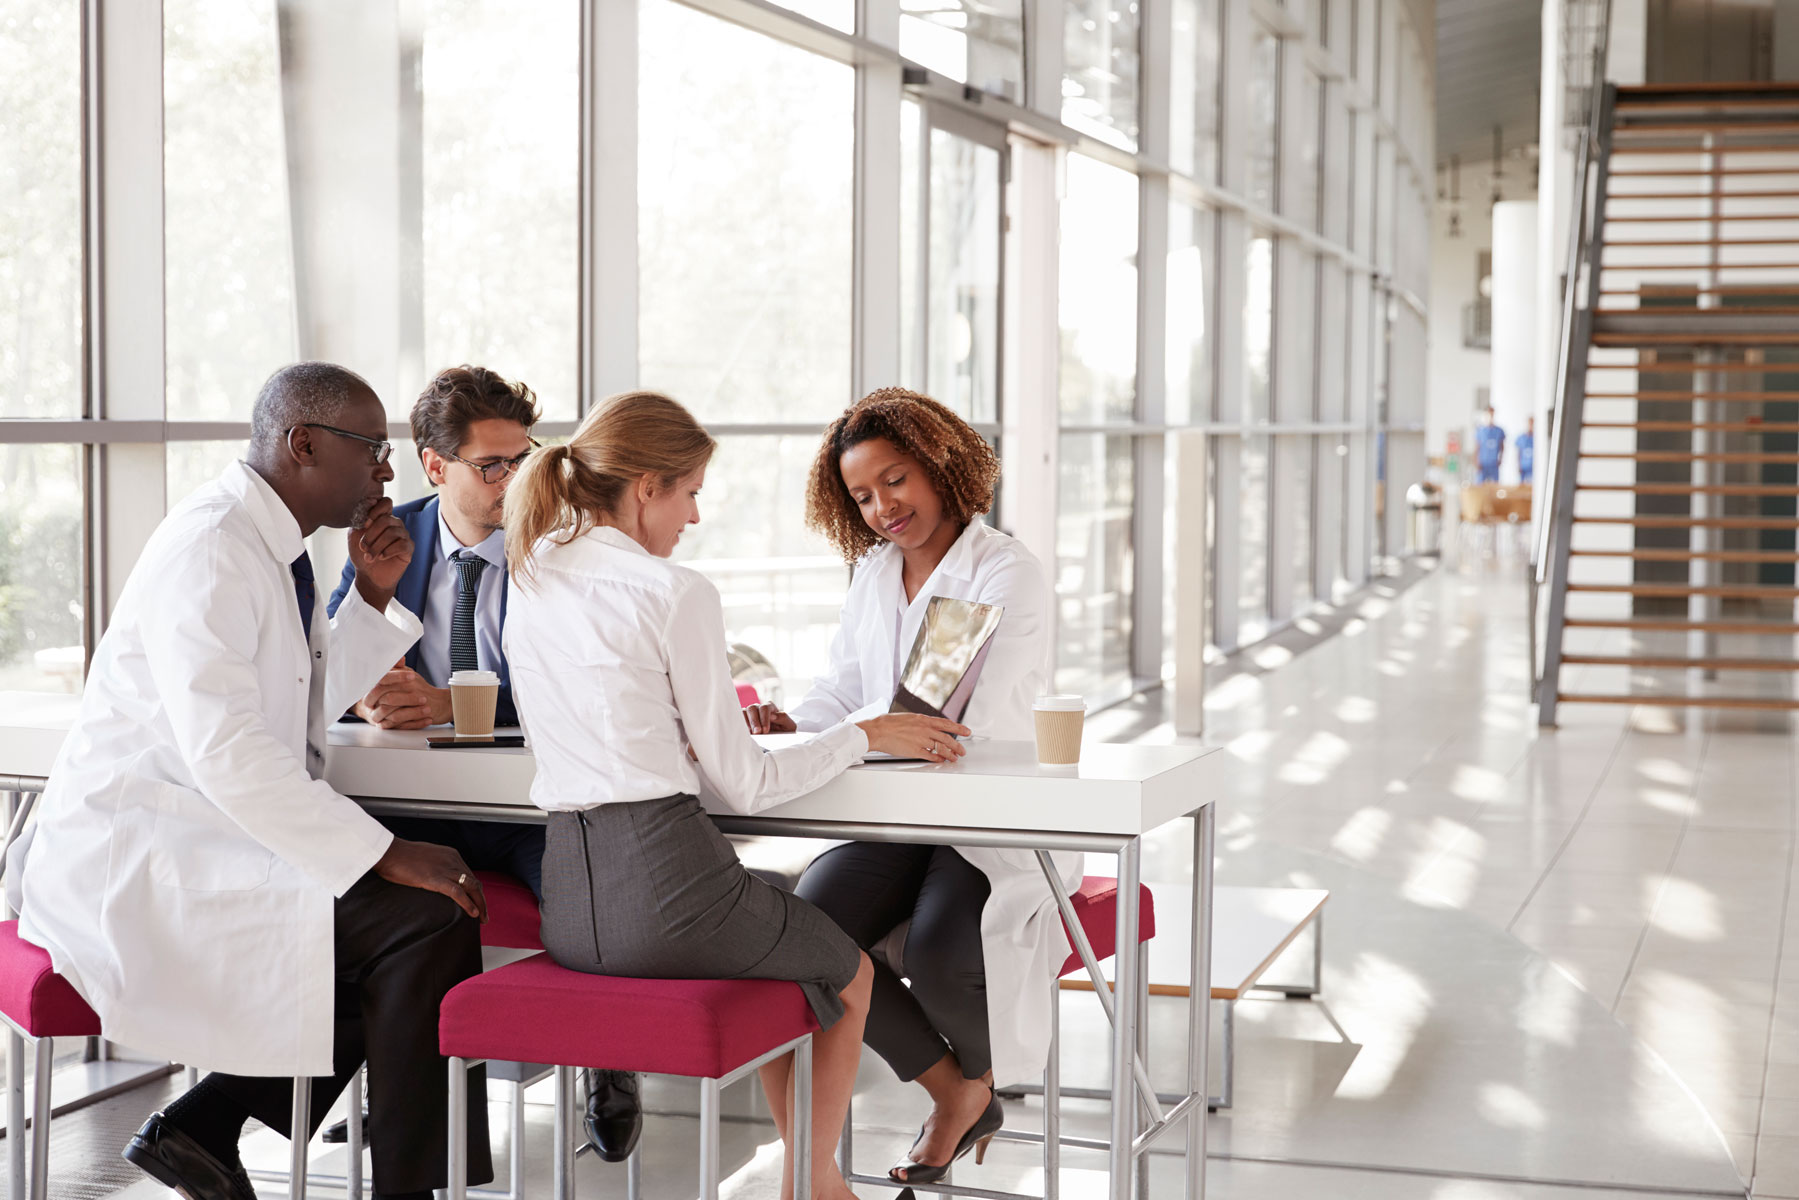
(472, 430)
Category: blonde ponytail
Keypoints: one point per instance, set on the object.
(563, 491)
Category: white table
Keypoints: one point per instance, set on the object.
(995, 796)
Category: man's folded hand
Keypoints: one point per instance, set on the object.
(403, 700)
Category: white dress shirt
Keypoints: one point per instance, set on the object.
(440, 604)
(619, 665)
(186, 855)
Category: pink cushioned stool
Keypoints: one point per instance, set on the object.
(1096, 906)
(714, 1030)
(513, 921)
(38, 1004)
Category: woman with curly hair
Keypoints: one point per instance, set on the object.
(897, 487)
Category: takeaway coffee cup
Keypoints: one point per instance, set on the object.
(473, 695)
(1059, 720)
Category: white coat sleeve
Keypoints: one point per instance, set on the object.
(1017, 665)
(364, 646)
(837, 693)
(202, 660)
(741, 773)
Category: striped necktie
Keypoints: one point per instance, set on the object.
(469, 566)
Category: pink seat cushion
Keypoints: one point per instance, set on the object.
(34, 996)
(746, 694)
(536, 1011)
(1096, 904)
(512, 917)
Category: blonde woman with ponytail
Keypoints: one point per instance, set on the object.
(619, 672)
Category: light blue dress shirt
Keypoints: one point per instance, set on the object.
(440, 604)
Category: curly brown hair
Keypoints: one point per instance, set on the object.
(960, 464)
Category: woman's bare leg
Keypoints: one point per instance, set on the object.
(836, 1053)
(957, 1103)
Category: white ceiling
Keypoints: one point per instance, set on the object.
(1489, 59)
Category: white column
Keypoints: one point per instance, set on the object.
(124, 262)
(1029, 404)
(877, 200)
(348, 138)
(1516, 307)
(609, 56)
(1551, 243)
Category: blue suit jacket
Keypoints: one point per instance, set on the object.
(420, 519)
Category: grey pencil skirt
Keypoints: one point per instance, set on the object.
(651, 889)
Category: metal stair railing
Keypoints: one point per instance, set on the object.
(1580, 296)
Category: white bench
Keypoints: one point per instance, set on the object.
(1251, 927)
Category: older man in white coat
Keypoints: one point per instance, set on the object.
(212, 898)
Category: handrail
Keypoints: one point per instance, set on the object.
(1563, 441)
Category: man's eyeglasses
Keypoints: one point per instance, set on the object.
(498, 469)
(378, 448)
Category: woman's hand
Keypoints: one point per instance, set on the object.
(766, 718)
(914, 735)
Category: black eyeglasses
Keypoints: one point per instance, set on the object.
(493, 472)
(378, 448)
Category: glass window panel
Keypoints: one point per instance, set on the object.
(229, 278)
(912, 292)
(838, 14)
(1309, 138)
(1173, 482)
(1250, 516)
(188, 465)
(1101, 68)
(1264, 117)
(782, 584)
(1098, 302)
(1094, 566)
(745, 163)
(502, 108)
(963, 309)
(1333, 340)
(980, 44)
(40, 568)
(1293, 521)
(1190, 248)
(40, 195)
(1332, 507)
(1193, 88)
(1258, 326)
(1297, 339)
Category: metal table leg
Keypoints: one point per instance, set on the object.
(1126, 965)
(353, 1138)
(1052, 1098)
(15, 1112)
(1199, 1000)
(299, 1130)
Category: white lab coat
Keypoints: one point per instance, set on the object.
(1022, 940)
(185, 858)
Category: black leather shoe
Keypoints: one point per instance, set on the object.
(177, 1161)
(338, 1132)
(614, 1117)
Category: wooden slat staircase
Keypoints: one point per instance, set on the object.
(1674, 556)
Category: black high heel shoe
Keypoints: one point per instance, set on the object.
(976, 1139)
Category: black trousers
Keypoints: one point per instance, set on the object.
(399, 950)
(514, 847)
(869, 888)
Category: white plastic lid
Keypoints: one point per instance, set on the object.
(1060, 704)
(473, 678)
